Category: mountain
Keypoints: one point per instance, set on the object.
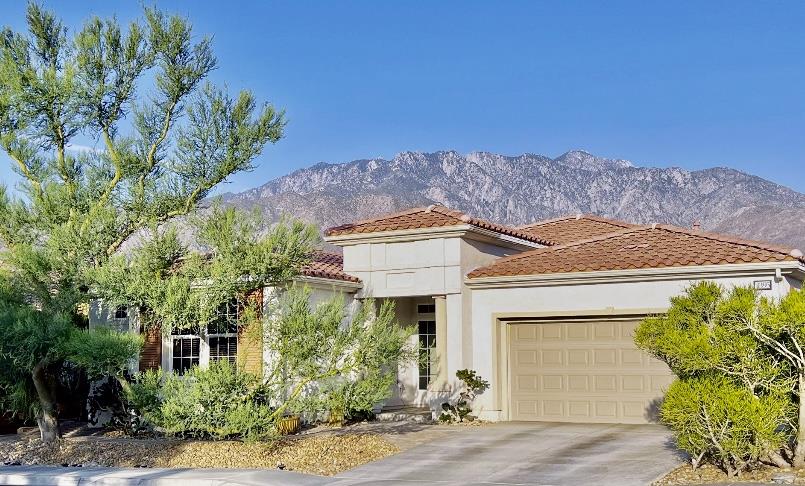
(529, 187)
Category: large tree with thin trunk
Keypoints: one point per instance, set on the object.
(163, 135)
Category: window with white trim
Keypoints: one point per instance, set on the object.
(186, 350)
(426, 325)
(190, 347)
(222, 334)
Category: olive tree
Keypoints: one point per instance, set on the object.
(164, 135)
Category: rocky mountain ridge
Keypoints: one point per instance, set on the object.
(529, 187)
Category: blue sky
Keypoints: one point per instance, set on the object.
(694, 84)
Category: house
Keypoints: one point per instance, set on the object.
(544, 312)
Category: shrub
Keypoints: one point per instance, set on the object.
(715, 419)
(474, 385)
(327, 356)
(218, 402)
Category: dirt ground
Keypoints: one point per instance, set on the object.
(685, 474)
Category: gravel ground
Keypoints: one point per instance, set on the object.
(708, 474)
(324, 454)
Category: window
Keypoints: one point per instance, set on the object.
(222, 334)
(191, 347)
(186, 353)
(122, 312)
(427, 345)
(426, 308)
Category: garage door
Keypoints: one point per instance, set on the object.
(583, 371)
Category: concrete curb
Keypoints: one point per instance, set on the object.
(107, 476)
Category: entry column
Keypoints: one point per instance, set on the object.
(440, 383)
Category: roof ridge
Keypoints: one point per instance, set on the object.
(376, 218)
(590, 216)
(453, 213)
(459, 216)
(546, 221)
(497, 227)
(565, 245)
(761, 245)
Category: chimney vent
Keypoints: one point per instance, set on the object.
(697, 225)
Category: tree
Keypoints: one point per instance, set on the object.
(353, 357)
(178, 287)
(780, 325)
(167, 138)
(738, 345)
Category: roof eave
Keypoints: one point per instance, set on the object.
(795, 269)
(462, 230)
(329, 283)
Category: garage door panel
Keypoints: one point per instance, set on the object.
(578, 357)
(552, 357)
(578, 332)
(583, 372)
(550, 332)
(631, 358)
(578, 383)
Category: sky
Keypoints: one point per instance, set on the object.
(689, 84)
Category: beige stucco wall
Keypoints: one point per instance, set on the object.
(413, 272)
(409, 268)
(490, 305)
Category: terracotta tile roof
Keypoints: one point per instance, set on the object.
(574, 228)
(433, 216)
(653, 246)
(327, 265)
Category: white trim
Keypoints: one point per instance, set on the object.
(638, 275)
(456, 231)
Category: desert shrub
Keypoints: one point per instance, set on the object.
(217, 402)
(461, 410)
(715, 419)
(329, 359)
(738, 358)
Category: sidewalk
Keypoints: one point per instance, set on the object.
(105, 476)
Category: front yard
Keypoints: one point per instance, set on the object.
(324, 453)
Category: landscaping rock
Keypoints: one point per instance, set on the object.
(326, 454)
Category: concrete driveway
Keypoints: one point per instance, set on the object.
(529, 453)
(499, 454)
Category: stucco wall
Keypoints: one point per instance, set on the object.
(488, 305)
(410, 268)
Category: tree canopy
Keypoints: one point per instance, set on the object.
(740, 359)
(163, 137)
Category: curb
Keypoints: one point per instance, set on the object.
(107, 476)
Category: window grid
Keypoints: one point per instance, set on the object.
(427, 345)
(426, 308)
(122, 312)
(222, 334)
(186, 353)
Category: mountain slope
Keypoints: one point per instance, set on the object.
(525, 188)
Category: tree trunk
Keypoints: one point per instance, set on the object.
(47, 420)
(778, 460)
(799, 451)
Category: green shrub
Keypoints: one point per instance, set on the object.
(715, 419)
(218, 402)
(474, 385)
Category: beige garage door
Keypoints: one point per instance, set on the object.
(583, 371)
